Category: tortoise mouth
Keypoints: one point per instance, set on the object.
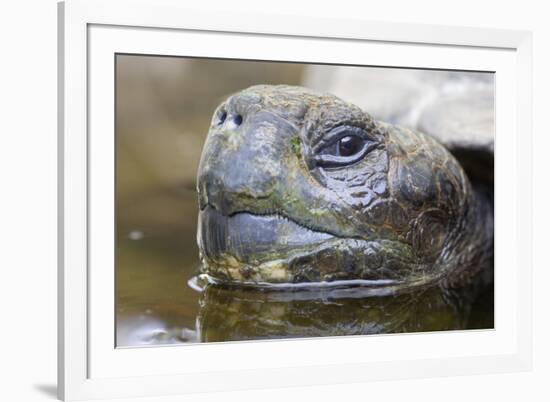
(253, 238)
(247, 248)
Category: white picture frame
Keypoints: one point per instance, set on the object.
(91, 32)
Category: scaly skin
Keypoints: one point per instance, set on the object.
(276, 209)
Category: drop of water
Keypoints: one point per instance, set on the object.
(135, 235)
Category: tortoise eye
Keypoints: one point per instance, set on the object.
(349, 145)
(345, 146)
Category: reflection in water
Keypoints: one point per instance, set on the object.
(239, 314)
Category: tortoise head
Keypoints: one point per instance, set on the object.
(296, 186)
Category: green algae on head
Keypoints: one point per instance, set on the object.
(301, 187)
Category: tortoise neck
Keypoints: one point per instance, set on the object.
(473, 245)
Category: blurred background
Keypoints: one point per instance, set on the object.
(163, 110)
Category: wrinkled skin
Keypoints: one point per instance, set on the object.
(286, 197)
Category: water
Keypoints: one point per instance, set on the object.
(156, 305)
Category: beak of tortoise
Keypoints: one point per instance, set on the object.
(246, 235)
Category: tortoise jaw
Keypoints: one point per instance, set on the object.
(251, 249)
(253, 238)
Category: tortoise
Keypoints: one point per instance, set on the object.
(299, 188)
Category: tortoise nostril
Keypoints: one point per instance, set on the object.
(222, 117)
(238, 119)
